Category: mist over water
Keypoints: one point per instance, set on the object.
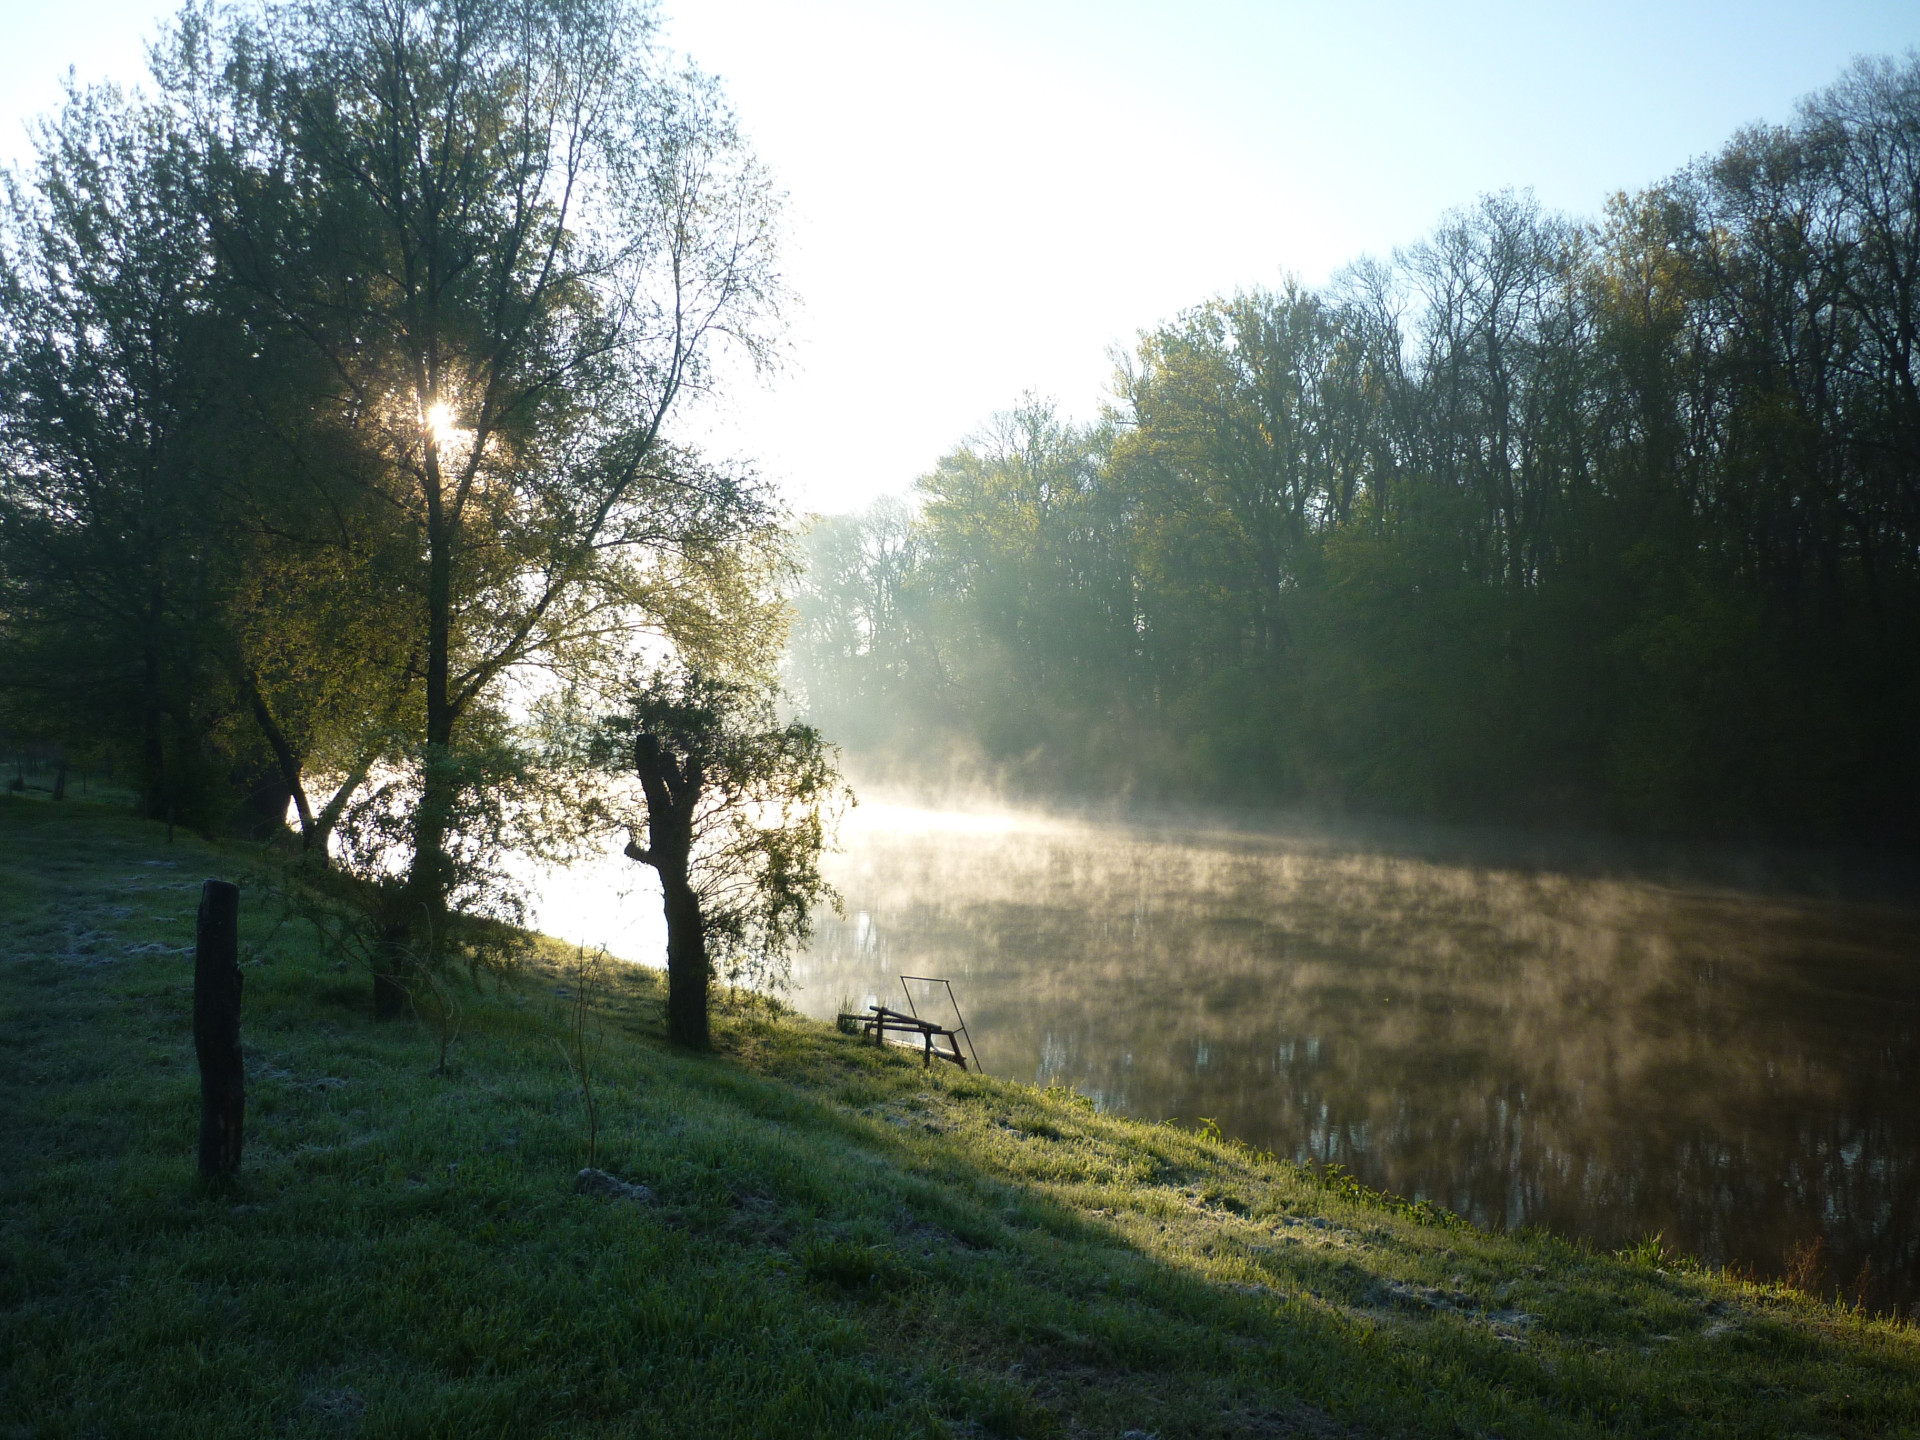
(605, 901)
(1605, 1057)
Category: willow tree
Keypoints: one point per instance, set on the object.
(733, 812)
(516, 235)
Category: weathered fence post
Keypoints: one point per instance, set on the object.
(216, 1027)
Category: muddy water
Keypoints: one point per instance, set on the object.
(1605, 1057)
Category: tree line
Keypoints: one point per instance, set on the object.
(1606, 522)
(338, 475)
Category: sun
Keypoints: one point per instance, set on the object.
(440, 422)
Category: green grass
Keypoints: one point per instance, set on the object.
(845, 1245)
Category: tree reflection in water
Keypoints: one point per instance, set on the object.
(1605, 1057)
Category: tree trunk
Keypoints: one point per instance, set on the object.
(421, 930)
(216, 1028)
(686, 966)
(284, 758)
(153, 753)
(428, 877)
(418, 935)
(673, 794)
(315, 840)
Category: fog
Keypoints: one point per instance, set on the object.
(1604, 1040)
(1576, 1039)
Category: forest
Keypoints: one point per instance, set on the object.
(1607, 522)
(339, 382)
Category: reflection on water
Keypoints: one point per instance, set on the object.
(1606, 1058)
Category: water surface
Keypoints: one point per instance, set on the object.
(1606, 1057)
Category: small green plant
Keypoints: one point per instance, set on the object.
(1806, 1266)
(1349, 1187)
(996, 1407)
(583, 1042)
(1067, 1095)
(1649, 1253)
(433, 1001)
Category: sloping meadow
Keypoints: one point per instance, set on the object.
(832, 1239)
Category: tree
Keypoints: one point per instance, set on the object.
(186, 577)
(853, 659)
(514, 238)
(112, 397)
(1026, 574)
(735, 808)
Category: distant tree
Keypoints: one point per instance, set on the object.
(1227, 425)
(1611, 523)
(733, 812)
(854, 661)
(1029, 585)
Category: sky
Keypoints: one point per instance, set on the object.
(984, 197)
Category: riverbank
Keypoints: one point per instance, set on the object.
(840, 1241)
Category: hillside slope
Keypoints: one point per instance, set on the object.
(843, 1243)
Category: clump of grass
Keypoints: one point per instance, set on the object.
(1650, 1253)
(847, 1015)
(1806, 1268)
(847, 1266)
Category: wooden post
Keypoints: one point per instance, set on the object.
(216, 1028)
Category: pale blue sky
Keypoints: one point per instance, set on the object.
(985, 196)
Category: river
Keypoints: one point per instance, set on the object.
(1574, 1046)
(1602, 1055)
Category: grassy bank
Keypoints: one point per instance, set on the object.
(843, 1243)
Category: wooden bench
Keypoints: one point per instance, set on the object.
(880, 1022)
